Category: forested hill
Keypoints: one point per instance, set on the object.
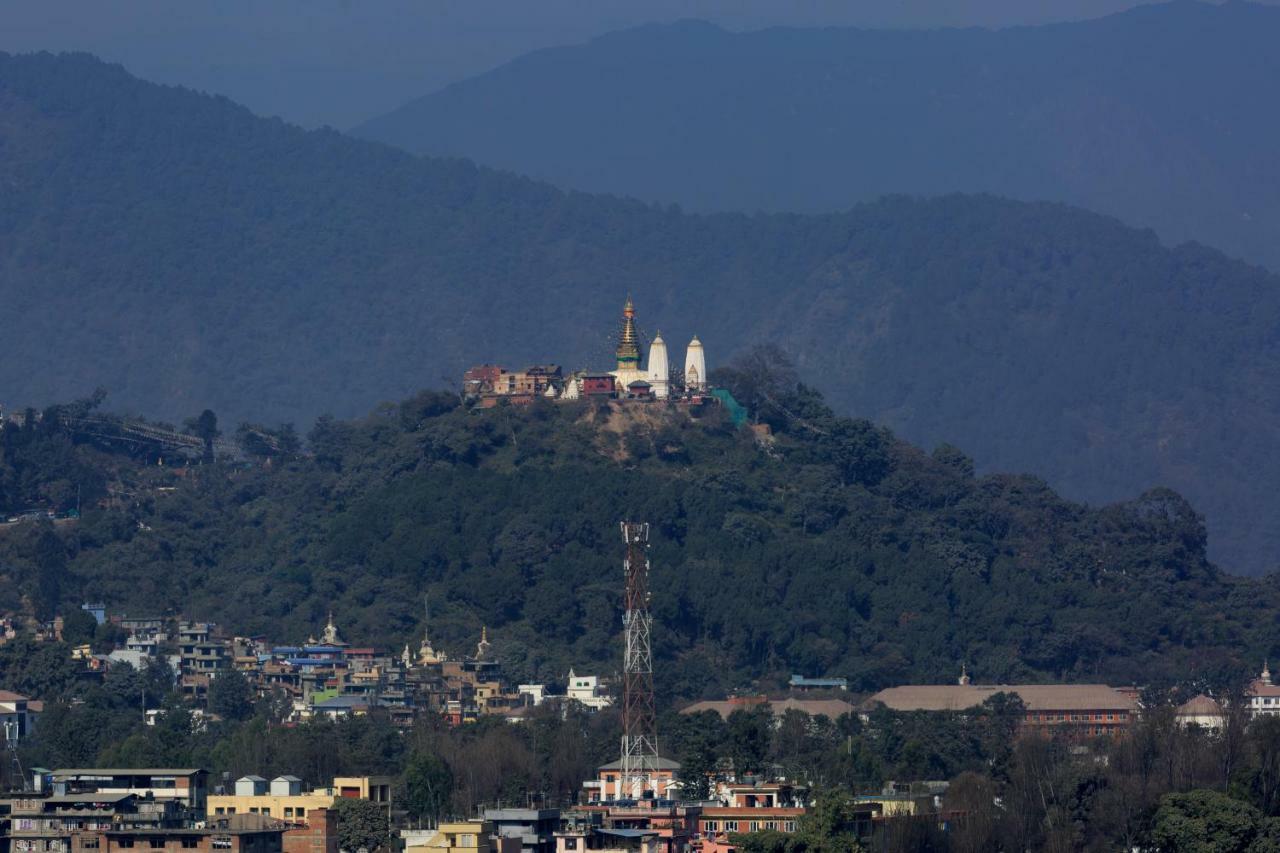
(184, 254)
(838, 549)
(1158, 115)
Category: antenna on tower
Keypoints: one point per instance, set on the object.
(639, 718)
(15, 762)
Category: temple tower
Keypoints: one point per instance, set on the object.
(628, 352)
(659, 372)
(695, 367)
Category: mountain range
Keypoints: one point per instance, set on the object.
(184, 253)
(1160, 115)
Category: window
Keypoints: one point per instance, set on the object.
(220, 810)
(571, 844)
(220, 842)
(730, 826)
(156, 843)
(790, 826)
(190, 843)
(710, 825)
(125, 843)
(90, 843)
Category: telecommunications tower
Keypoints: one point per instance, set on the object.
(639, 724)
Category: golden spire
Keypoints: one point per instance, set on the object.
(628, 342)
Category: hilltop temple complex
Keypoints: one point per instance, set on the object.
(631, 379)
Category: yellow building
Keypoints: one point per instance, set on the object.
(466, 836)
(283, 798)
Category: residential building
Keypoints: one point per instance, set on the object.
(534, 829)
(187, 787)
(469, 836)
(71, 823)
(201, 657)
(283, 798)
(608, 786)
(587, 691)
(318, 833)
(237, 834)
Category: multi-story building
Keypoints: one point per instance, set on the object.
(186, 787)
(660, 782)
(1264, 697)
(587, 691)
(201, 657)
(239, 834)
(72, 823)
(534, 829)
(283, 798)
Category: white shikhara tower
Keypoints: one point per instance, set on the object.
(695, 367)
(659, 372)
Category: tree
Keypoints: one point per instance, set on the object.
(1204, 821)
(363, 825)
(428, 785)
(231, 695)
(828, 827)
(205, 428)
(78, 627)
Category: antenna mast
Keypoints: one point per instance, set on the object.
(639, 719)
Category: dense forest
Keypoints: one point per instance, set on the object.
(833, 548)
(185, 254)
(827, 546)
(1153, 115)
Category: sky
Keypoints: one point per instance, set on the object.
(339, 62)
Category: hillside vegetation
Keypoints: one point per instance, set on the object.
(184, 254)
(836, 549)
(1157, 115)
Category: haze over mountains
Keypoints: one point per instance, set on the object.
(1162, 115)
(183, 253)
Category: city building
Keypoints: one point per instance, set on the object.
(318, 833)
(587, 691)
(533, 829)
(660, 782)
(201, 657)
(238, 834)
(186, 787)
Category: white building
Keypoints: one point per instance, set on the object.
(586, 689)
(1202, 711)
(659, 372)
(695, 366)
(1264, 697)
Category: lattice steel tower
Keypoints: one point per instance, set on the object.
(639, 719)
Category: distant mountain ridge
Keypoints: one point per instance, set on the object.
(1158, 115)
(183, 253)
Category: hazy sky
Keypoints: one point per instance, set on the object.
(339, 62)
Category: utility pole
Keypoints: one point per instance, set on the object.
(639, 718)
